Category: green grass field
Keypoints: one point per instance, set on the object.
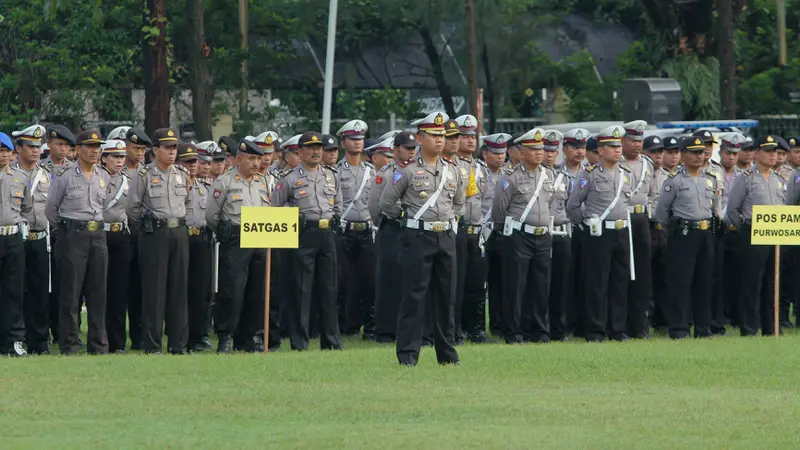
(722, 393)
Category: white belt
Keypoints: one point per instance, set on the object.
(637, 209)
(37, 235)
(615, 224)
(437, 226)
(565, 228)
(9, 230)
(536, 231)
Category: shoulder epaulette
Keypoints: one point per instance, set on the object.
(106, 169)
(180, 167)
(406, 162)
(368, 164)
(143, 169)
(385, 168)
(510, 170)
(339, 163)
(14, 167)
(711, 161)
(648, 159)
(747, 172)
(464, 159)
(451, 161)
(780, 176)
(125, 175)
(625, 167)
(61, 171)
(43, 168)
(283, 173)
(331, 168)
(203, 181)
(590, 168)
(481, 162)
(710, 175)
(671, 175)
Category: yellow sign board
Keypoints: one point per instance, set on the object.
(268, 227)
(775, 225)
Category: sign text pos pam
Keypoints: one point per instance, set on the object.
(268, 227)
(775, 225)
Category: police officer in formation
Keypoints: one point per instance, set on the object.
(156, 211)
(239, 309)
(429, 191)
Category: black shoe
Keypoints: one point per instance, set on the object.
(621, 337)
(40, 350)
(152, 352)
(383, 339)
(459, 341)
(196, 347)
(224, 344)
(368, 337)
(119, 352)
(787, 324)
(178, 352)
(207, 343)
(17, 350)
(135, 347)
(450, 363)
(479, 337)
(274, 348)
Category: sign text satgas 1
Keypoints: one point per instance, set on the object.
(267, 227)
(775, 225)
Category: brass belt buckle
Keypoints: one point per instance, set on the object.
(172, 223)
(702, 225)
(33, 236)
(658, 226)
(437, 227)
(324, 224)
(194, 231)
(116, 227)
(359, 226)
(619, 224)
(638, 209)
(92, 226)
(538, 231)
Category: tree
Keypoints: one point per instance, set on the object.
(156, 80)
(727, 58)
(199, 77)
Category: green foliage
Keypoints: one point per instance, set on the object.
(590, 98)
(699, 82)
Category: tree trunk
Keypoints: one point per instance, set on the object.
(727, 59)
(438, 72)
(199, 78)
(487, 71)
(156, 76)
(472, 77)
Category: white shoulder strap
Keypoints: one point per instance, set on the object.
(616, 197)
(367, 176)
(36, 180)
(432, 199)
(119, 194)
(529, 206)
(641, 178)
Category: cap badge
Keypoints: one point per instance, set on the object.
(792, 142)
(314, 138)
(639, 127)
(537, 136)
(769, 139)
(94, 136)
(170, 133)
(439, 120)
(134, 138)
(224, 146)
(268, 140)
(330, 141)
(500, 139)
(697, 141)
(357, 126)
(551, 137)
(37, 132)
(616, 133)
(468, 122)
(579, 134)
(452, 124)
(120, 146)
(243, 146)
(54, 134)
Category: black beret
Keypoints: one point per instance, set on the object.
(653, 144)
(592, 144)
(61, 132)
(249, 147)
(228, 145)
(138, 136)
(329, 142)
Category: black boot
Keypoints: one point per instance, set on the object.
(224, 344)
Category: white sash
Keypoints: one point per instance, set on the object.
(533, 199)
(367, 175)
(432, 199)
(119, 194)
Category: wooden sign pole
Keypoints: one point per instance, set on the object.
(266, 301)
(777, 291)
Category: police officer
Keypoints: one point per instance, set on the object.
(653, 148)
(267, 141)
(355, 248)
(523, 203)
(686, 207)
(219, 158)
(493, 150)
(450, 152)
(561, 232)
(476, 178)
(381, 155)
(314, 189)
(592, 152)
(156, 211)
(388, 292)
(672, 155)
(239, 310)
(59, 139)
(37, 258)
(431, 189)
(643, 200)
(16, 205)
(600, 203)
(118, 242)
(75, 205)
(200, 245)
(574, 149)
(136, 144)
(758, 185)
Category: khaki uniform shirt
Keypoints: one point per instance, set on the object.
(350, 179)
(164, 194)
(40, 176)
(230, 193)
(16, 202)
(73, 196)
(316, 193)
(596, 189)
(474, 196)
(413, 182)
(750, 188)
(513, 194)
(119, 186)
(382, 178)
(689, 198)
(198, 203)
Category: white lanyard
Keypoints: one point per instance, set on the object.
(367, 175)
(432, 199)
(119, 194)
(527, 211)
(36, 181)
(641, 179)
(616, 197)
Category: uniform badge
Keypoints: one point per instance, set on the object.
(155, 180)
(709, 183)
(278, 186)
(625, 179)
(331, 201)
(378, 180)
(420, 172)
(583, 183)
(298, 183)
(201, 192)
(396, 177)
(506, 184)
(328, 179)
(102, 184)
(216, 193)
(235, 197)
(796, 179)
(780, 185)
(667, 188)
(179, 179)
(302, 193)
(463, 171)
(423, 195)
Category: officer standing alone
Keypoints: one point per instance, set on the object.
(430, 188)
